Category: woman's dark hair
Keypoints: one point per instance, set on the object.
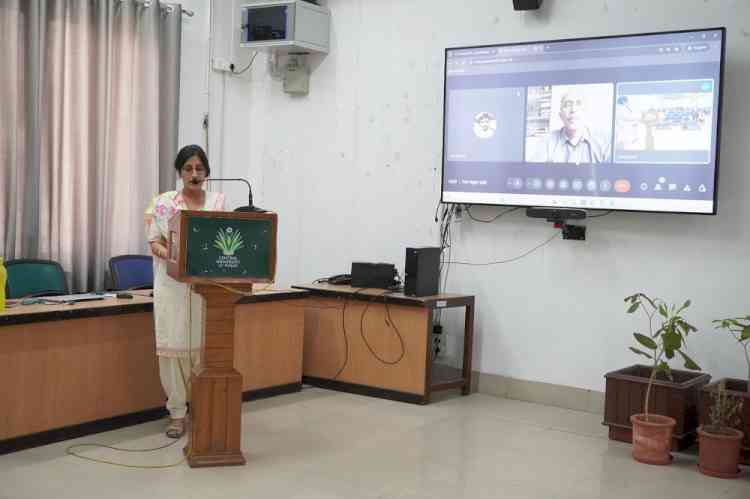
(188, 152)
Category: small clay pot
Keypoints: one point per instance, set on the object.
(719, 452)
(652, 438)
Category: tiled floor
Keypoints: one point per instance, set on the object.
(323, 444)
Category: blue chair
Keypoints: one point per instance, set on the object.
(132, 272)
(31, 278)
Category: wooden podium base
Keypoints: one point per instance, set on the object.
(216, 418)
(215, 432)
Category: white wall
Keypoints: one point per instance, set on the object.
(354, 172)
(194, 72)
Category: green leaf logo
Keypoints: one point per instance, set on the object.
(228, 241)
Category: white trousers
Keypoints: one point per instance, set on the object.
(174, 385)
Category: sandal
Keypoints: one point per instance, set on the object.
(176, 428)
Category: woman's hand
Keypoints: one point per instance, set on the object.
(159, 250)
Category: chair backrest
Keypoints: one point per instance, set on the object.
(132, 272)
(29, 277)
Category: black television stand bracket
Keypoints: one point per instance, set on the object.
(560, 217)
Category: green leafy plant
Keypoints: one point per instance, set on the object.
(739, 328)
(724, 412)
(668, 339)
(228, 241)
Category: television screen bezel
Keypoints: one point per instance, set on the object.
(536, 42)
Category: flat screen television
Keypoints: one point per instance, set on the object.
(617, 123)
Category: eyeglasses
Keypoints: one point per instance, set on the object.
(569, 104)
(198, 170)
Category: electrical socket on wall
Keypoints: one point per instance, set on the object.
(221, 64)
(437, 341)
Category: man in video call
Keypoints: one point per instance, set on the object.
(574, 142)
(484, 125)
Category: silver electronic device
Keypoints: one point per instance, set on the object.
(285, 26)
(74, 298)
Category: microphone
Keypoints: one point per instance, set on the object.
(246, 209)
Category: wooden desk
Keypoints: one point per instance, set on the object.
(63, 367)
(341, 321)
(73, 370)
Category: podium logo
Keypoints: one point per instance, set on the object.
(228, 241)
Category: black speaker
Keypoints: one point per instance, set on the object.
(527, 4)
(422, 271)
(373, 275)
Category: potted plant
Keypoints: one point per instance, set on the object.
(739, 328)
(653, 400)
(737, 389)
(718, 442)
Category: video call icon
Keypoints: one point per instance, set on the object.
(622, 185)
(564, 184)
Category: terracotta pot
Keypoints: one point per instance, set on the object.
(736, 390)
(719, 453)
(652, 438)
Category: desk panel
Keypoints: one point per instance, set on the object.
(268, 343)
(333, 359)
(63, 373)
(326, 349)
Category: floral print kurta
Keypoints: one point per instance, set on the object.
(171, 300)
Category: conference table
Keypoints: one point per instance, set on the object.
(68, 370)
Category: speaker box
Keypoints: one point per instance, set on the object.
(527, 4)
(373, 275)
(422, 271)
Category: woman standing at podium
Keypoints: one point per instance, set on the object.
(176, 309)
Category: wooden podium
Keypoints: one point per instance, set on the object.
(210, 249)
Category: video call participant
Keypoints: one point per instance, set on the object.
(484, 125)
(574, 142)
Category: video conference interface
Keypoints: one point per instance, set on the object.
(612, 123)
